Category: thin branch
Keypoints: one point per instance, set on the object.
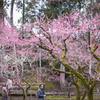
(19, 86)
(45, 48)
(93, 52)
(73, 80)
(59, 46)
(65, 46)
(48, 37)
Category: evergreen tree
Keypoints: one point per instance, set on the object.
(55, 8)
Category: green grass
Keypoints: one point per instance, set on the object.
(50, 85)
(63, 97)
(55, 97)
(98, 97)
(60, 97)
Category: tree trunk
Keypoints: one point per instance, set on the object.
(84, 95)
(44, 89)
(23, 11)
(69, 88)
(12, 6)
(62, 75)
(90, 94)
(24, 95)
(1, 11)
(78, 96)
(90, 90)
(77, 83)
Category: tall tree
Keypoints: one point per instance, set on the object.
(11, 12)
(30, 9)
(54, 8)
(67, 38)
(1, 11)
(64, 39)
(23, 10)
(37, 8)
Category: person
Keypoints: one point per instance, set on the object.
(40, 95)
(4, 94)
(9, 85)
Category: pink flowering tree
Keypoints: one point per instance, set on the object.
(71, 40)
(30, 79)
(20, 52)
(7, 35)
(31, 38)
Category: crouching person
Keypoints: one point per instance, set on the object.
(40, 95)
(4, 94)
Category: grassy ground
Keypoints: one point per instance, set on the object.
(63, 97)
(52, 98)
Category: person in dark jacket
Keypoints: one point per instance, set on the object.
(40, 95)
(4, 94)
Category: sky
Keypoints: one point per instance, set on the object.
(16, 15)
